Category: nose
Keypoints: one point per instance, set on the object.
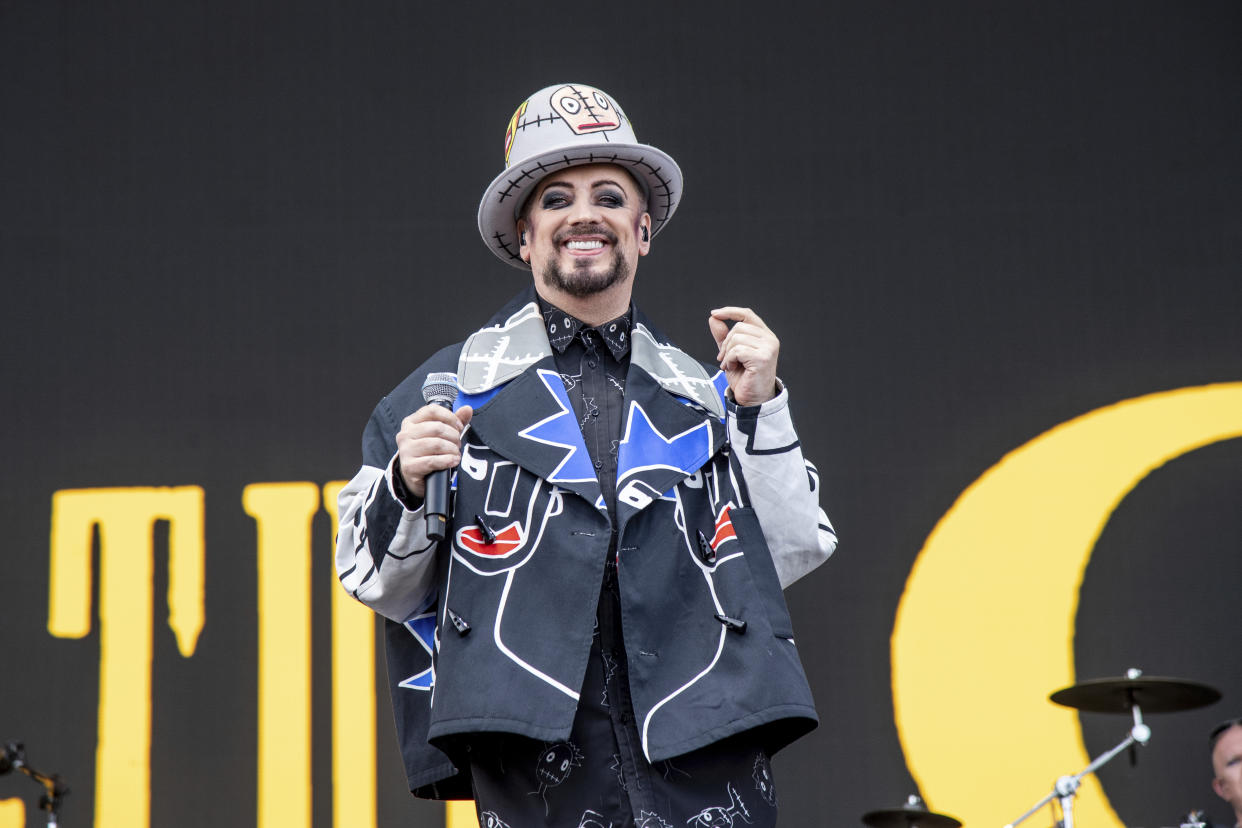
(584, 211)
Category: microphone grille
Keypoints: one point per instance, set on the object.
(440, 387)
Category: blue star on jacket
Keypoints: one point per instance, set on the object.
(643, 447)
(423, 628)
(561, 431)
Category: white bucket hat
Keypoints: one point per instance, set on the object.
(567, 125)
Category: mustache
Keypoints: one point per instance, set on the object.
(568, 233)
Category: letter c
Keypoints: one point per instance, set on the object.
(985, 629)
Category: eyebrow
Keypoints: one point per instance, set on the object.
(603, 182)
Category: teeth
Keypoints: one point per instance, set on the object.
(585, 245)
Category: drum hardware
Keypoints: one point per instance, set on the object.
(1120, 695)
(1194, 819)
(13, 757)
(1155, 694)
(913, 814)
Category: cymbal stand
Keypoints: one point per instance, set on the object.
(1066, 788)
(13, 757)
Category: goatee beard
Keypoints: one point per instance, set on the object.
(582, 281)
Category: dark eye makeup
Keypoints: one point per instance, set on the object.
(555, 198)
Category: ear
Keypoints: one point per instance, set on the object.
(644, 234)
(523, 243)
(1216, 786)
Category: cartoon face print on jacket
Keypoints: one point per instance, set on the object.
(501, 557)
(707, 533)
(516, 509)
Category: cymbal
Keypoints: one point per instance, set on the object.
(911, 815)
(1152, 694)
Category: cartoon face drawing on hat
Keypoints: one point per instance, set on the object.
(586, 109)
(567, 125)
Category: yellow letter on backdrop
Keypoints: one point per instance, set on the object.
(12, 813)
(283, 513)
(353, 699)
(125, 518)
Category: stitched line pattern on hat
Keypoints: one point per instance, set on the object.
(505, 246)
(538, 120)
(515, 184)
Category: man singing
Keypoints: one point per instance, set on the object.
(600, 638)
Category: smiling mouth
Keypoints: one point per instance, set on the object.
(586, 240)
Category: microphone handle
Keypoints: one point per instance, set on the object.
(436, 498)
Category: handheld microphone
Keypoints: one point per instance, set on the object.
(438, 389)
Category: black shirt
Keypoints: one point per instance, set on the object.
(593, 361)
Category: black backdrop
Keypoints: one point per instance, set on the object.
(227, 228)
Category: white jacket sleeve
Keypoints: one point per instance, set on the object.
(782, 485)
(383, 555)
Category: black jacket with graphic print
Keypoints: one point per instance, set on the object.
(490, 629)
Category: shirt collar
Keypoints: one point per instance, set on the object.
(562, 328)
